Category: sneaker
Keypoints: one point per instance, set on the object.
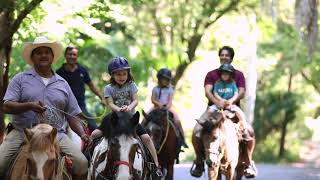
(198, 170)
(251, 171)
(158, 172)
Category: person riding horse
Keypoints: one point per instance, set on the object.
(121, 96)
(226, 55)
(162, 96)
(31, 93)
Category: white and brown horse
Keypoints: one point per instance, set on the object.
(221, 142)
(119, 155)
(39, 156)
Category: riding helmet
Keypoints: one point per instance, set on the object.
(164, 73)
(118, 63)
(226, 68)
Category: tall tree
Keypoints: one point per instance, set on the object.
(173, 29)
(12, 13)
(306, 18)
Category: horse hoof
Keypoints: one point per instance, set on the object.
(209, 163)
(197, 171)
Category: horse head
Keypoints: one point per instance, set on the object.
(211, 121)
(114, 157)
(42, 152)
(212, 136)
(220, 140)
(155, 123)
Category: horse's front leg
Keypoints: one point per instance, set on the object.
(213, 172)
(230, 172)
(170, 170)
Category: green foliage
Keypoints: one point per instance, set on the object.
(275, 104)
(280, 43)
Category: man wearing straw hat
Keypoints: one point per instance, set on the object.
(40, 92)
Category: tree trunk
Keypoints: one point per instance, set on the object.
(252, 76)
(285, 123)
(306, 19)
(6, 17)
(283, 137)
(8, 26)
(193, 43)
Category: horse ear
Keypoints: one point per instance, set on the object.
(28, 133)
(114, 119)
(53, 134)
(135, 118)
(144, 114)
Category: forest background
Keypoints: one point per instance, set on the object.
(275, 46)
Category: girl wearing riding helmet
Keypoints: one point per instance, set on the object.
(121, 96)
(162, 96)
(225, 89)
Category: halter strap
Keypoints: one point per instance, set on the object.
(118, 163)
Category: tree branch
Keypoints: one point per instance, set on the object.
(315, 85)
(15, 25)
(232, 6)
(195, 39)
(157, 24)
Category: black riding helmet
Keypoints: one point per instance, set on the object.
(164, 73)
(117, 64)
(226, 68)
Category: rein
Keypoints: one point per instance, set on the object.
(167, 133)
(54, 116)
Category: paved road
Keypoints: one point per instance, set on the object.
(266, 172)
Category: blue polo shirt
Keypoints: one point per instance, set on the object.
(76, 81)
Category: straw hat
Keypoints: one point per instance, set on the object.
(38, 42)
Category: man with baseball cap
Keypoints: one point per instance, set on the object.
(33, 93)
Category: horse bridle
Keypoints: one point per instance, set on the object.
(164, 138)
(115, 164)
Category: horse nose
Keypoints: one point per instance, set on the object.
(215, 136)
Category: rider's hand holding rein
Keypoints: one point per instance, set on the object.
(13, 107)
(37, 106)
(87, 139)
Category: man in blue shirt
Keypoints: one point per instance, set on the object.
(77, 76)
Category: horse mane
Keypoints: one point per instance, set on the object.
(40, 140)
(120, 123)
(215, 120)
(155, 115)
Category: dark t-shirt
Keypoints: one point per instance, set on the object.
(212, 77)
(76, 81)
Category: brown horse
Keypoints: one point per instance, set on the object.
(221, 142)
(39, 156)
(119, 155)
(163, 135)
